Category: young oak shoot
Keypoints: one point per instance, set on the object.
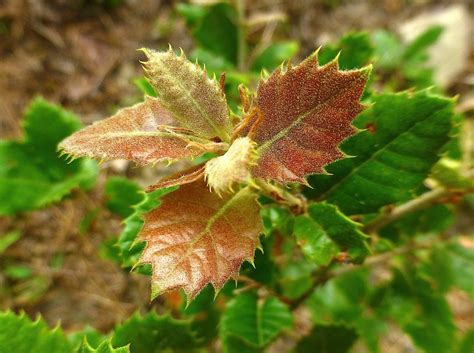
(202, 232)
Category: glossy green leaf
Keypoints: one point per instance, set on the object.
(404, 135)
(217, 31)
(19, 334)
(152, 334)
(355, 50)
(32, 175)
(325, 339)
(324, 231)
(104, 347)
(421, 312)
(251, 321)
(122, 194)
(274, 55)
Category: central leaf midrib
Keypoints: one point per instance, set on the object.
(163, 134)
(220, 212)
(297, 122)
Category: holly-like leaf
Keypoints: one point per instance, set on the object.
(18, 334)
(32, 175)
(104, 347)
(122, 194)
(140, 133)
(153, 334)
(299, 117)
(254, 322)
(184, 89)
(404, 134)
(196, 237)
(324, 231)
(129, 248)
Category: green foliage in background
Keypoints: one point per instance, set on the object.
(32, 174)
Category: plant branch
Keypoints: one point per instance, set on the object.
(422, 202)
(281, 195)
(324, 274)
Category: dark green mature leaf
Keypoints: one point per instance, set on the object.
(122, 194)
(32, 175)
(152, 334)
(217, 31)
(421, 43)
(452, 264)
(250, 321)
(274, 55)
(327, 339)
(356, 50)
(18, 334)
(421, 312)
(204, 314)
(324, 231)
(432, 220)
(388, 50)
(404, 134)
(129, 249)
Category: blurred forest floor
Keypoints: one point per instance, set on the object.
(84, 56)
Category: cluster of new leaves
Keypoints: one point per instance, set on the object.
(202, 232)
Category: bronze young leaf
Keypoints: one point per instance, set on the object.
(300, 116)
(196, 237)
(141, 133)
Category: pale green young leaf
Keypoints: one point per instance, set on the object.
(404, 135)
(184, 89)
(252, 321)
(32, 175)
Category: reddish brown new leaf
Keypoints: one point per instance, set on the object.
(195, 237)
(181, 178)
(300, 116)
(140, 133)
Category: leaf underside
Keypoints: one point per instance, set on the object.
(185, 177)
(195, 237)
(141, 133)
(300, 116)
(184, 89)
